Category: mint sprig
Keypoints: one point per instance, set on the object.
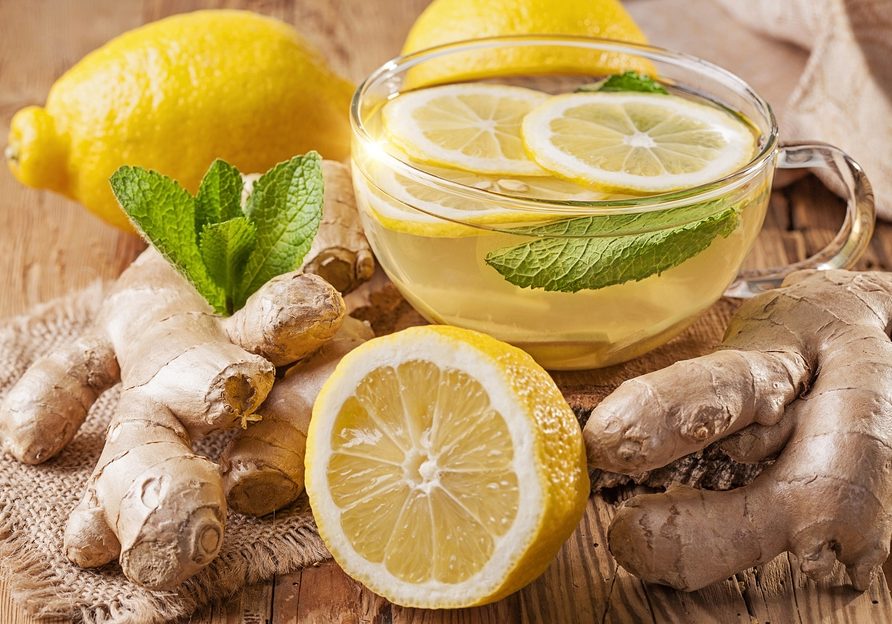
(628, 81)
(226, 251)
(286, 206)
(599, 251)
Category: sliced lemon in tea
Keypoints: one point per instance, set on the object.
(546, 188)
(637, 142)
(444, 468)
(407, 204)
(474, 127)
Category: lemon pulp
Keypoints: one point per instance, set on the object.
(474, 127)
(422, 514)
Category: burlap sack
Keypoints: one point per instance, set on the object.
(35, 502)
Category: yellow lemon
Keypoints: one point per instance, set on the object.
(444, 468)
(447, 21)
(173, 96)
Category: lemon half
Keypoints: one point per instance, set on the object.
(444, 468)
(638, 142)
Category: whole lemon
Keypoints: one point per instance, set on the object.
(447, 21)
(174, 95)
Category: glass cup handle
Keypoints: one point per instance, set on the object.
(852, 239)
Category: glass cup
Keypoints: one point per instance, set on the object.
(443, 262)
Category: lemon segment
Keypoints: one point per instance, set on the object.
(473, 127)
(404, 203)
(636, 142)
(444, 468)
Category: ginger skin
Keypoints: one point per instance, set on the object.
(263, 468)
(804, 371)
(151, 502)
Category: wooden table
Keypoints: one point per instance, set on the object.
(51, 246)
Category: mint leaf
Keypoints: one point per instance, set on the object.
(164, 213)
(224, 248)
(285, 207)
(595, 252)
(225, 253)
(628, 81)
(219, 196)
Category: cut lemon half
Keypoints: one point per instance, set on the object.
(475, 127)
(444, 468)
(638, 142)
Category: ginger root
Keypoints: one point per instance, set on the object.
(151, 501)
(804, 373)
(263, 468)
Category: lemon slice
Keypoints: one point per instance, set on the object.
(475, 127)
(405, 204)
(638, 142)
(400, 217)
(547, 188)
(444, 468)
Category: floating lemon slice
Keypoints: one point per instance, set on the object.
(444, 468)
(475, 127)
(638, 142)
(405, 204)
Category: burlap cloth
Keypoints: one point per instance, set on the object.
(35, 502)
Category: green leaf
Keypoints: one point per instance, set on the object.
(285, 207)
(165, 214)
(219, 196)
(224, 249)
(595, 252)
(628, 81)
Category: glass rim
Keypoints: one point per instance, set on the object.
(635, 205)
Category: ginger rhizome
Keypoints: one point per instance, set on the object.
(263, 469)
(152, 502)
(185, 372)
(804, 373)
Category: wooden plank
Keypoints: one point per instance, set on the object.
(326, 594)
(286, 597)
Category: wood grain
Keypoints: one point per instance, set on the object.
(51, 246)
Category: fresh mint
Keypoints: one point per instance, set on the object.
(628, 81)
(226, 251)
(165, 214)
(219, 197)
(286, 207)
(599, 251)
